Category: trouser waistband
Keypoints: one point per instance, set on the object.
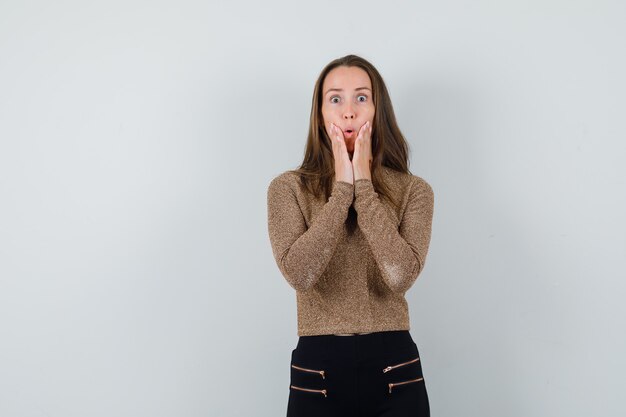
(358, 345)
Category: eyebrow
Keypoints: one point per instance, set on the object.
(339, 89)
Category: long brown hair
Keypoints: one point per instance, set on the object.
(389, 148)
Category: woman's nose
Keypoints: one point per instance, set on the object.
(348, 114)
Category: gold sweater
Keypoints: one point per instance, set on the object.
(350, 282)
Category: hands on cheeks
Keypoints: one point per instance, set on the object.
(362, 155)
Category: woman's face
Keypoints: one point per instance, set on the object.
(347, 102)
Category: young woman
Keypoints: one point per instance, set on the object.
(350, 231)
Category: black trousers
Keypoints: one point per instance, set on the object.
(365, 375)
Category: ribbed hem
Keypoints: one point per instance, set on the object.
(344, 330)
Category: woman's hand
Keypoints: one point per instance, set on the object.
(343, 166)
(362, 158)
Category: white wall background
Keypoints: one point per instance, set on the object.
(137, 140)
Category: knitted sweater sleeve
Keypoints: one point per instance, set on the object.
(302, 254)
(400, 252)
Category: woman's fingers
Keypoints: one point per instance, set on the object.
(343, 166)
(365, 130)
(338, 135)
(361, 130)
(360, 137)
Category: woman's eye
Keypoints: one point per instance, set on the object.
(364, 97)
(332, 99)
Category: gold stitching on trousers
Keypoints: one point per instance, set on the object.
(321, 391)
(393, 384)
(321, 372)
(389, 368)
